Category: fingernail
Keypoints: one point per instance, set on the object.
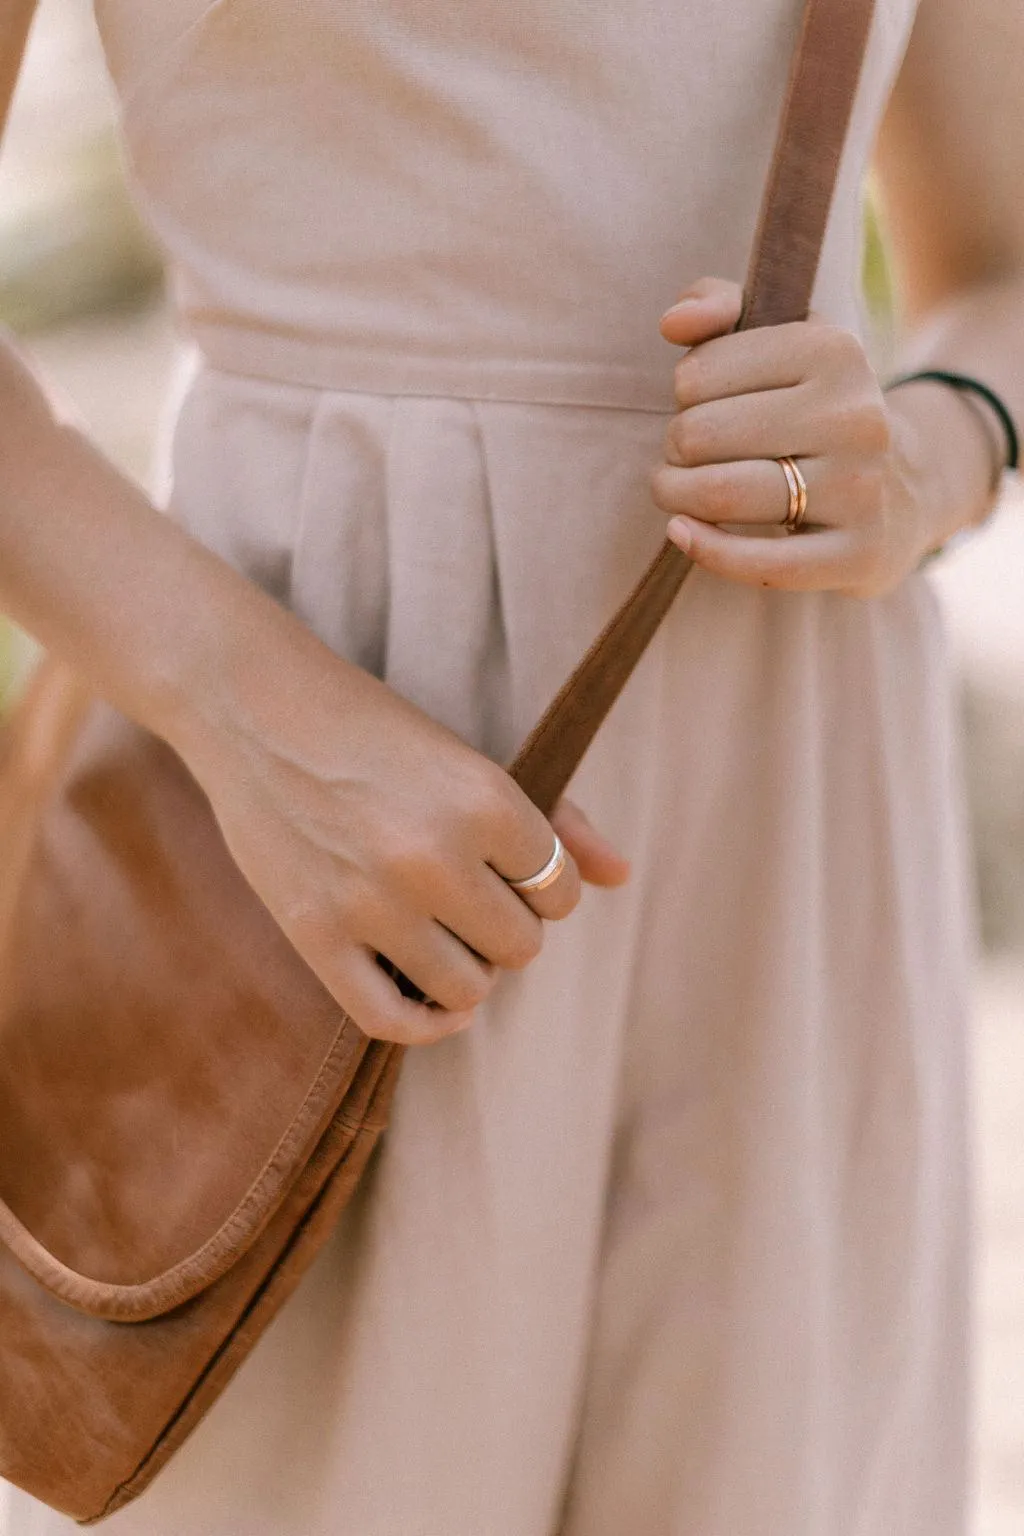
(680, 305)
(680, 534)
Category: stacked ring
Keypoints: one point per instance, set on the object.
(797, 494)
(545, 876)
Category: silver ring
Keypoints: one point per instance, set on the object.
(544, 877)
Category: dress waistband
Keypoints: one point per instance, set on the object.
(316, 363)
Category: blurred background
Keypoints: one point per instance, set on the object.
(81, 280)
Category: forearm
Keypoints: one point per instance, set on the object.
(948, 164)
(89, 567)
(979, 331)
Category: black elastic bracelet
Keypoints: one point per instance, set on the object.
(975, 387)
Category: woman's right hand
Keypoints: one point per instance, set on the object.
(368, 829)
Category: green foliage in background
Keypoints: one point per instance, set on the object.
(8, 665)
(73, 243)
(878, 287)
(17, 657)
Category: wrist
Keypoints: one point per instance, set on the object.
(948, 453)
(202, 681)
(250, 680)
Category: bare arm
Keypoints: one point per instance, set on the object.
(949, 162)
(86, 564)
(15, 20)
(365, 827)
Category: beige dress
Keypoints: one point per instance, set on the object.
(672, 1243)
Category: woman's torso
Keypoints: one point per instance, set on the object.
(477, 199)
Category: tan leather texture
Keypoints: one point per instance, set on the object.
(184, 1110)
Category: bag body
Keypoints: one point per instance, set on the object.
(184, 1109)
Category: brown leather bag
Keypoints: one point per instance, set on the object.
(184, 1110)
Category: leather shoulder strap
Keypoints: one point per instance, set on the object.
(783, 266)
(798, 193)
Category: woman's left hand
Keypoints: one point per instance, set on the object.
(806, 391)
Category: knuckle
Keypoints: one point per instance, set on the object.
(495, 798)
(818, 341)
(665, 489)
(692, 438)
(669, 450)
(522, 949)
(382, 1023)
(840, 345)
(874, 429)
(303, 915)
(475, 987)
(674, 434)
(474, 788)
(464, 993)
(688, 381)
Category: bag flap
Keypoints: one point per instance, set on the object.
(167, 1062)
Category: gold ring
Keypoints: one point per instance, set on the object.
(544, 877)
(797, 494)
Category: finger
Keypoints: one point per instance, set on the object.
(374, 1002)
(760, 426)
(488, 916)
(556, 900)
(803, 562)
(709, 307)
(753, 491)
(598, 862)
(771, 357)
(435, 961)
(526, 845)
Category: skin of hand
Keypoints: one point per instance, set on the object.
(367, 829)
(875, 505)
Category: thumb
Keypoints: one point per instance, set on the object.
(711, 307)
(598, 861)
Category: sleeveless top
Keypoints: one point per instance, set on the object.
(467, 199)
